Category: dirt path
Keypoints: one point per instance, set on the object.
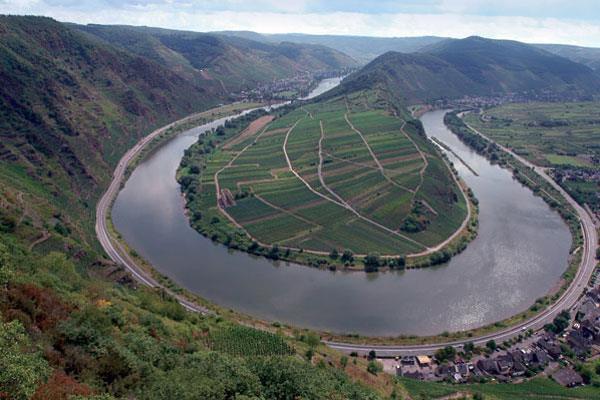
(45, 236)
(288, 212)
(423, 157)
(229, 164)
(349, 161)
(251, 130)
(320, 169)
(341, 204)
(377, 162)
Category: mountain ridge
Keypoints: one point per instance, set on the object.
(475, 66)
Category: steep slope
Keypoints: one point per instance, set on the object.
(236, 62)
(589, 56)
(361, 48)
(71, 105)
(475, 66)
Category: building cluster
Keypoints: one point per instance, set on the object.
(531, 354)
(290, 88)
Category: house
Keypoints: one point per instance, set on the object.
(488, 366)
(518, 369)
(551, 347)
(579, 342)
(407, 360)
(594, 294)
(445, 370)
(414, 375)
(517, 356)
(567, 377)
(463, 369)
(505, 363)
(540, 357)
(424, 361)
(586, 308)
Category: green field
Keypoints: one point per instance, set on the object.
(538, 389)
(547, 134)
(355, 177)
(561, 136)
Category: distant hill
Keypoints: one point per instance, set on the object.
(235, 62)
(362, 48)
(474, 66)
(365, 48)
(589, 56)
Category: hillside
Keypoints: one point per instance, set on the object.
(72, 323)
(236, 63)
(362, 48)
(589, 56)
(475, 66)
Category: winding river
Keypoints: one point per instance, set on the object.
(518, 256)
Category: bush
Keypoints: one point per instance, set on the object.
(374, 367)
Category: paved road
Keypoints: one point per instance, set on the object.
(567, 301)
(112, 247)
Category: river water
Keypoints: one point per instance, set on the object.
(518, 256)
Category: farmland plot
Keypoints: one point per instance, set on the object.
(340, 174)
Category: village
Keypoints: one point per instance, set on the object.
(556, 352)
(290, 88)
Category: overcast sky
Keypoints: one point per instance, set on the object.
(539, 21)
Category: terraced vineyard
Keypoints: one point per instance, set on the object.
(340, 174)
(239, 340)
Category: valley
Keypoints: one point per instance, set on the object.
(242, 215)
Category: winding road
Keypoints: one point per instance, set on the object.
(567, 301)
(113, 248)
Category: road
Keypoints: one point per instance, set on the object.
(568, 300)
(113, 248)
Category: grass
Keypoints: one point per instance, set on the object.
(538, 389)
(381, 176)
(547, 134)
(561, 136)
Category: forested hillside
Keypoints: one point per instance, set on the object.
(236, 63)
(475, 66)
(73, 324)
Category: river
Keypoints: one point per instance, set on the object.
(519, 255)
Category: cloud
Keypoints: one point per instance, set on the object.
(292, 17)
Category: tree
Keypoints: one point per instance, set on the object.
(61, 386)
(445, 354)
(560, 323)
(372, 262)
(21, 368)
(469, 347)
(344, 361)
(274, 252)
(334, 254)
(491, 344)
(374, 367)
(347, 256)
(312, 340)
(372, 355)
